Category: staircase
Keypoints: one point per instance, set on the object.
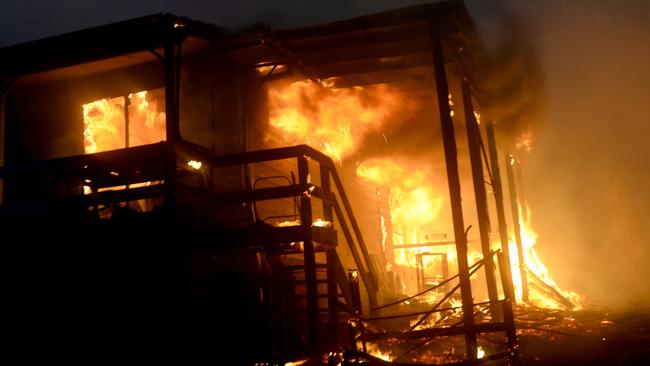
(308, 288)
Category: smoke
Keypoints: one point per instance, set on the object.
(588, 175)
(511, 88)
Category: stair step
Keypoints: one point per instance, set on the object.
(303, 282)
(280, 251)
(301, 267)
(320, 296)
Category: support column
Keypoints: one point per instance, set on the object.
(474, 143)
(521, 193)
(332, 287)
(449, 142)
(517, 227)
(508, 316)
(497, 187)
(172, 74)
(309, 256)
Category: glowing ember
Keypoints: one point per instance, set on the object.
(317, 222)
(105, 121)
(322, 223)
(194, 164)
(480, 353)
(333, 120)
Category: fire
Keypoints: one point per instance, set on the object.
(194, 164)
(415, 207)
(333, 120)
(103, 125)
(374, 350)
(525, 142)
(105, 121)
(535, 267)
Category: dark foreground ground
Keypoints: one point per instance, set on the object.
(587, 337)
(546, 337)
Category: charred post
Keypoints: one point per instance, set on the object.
(474, 141)
(309, 256)
(332, 288)
(449, 142)
(497, 188)
(517, 226)
(172, 98)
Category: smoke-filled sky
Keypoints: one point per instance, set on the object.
(588, 177)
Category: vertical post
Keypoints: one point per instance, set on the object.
(419, 271)
(445, 270)
(384, 204)
(474, 143)
(521, 194)
(508, 316)
(517, 227)
(172, 67)
(332, 288)
(449, 142)
(3, 90)
(310, 257)
(497, 187)
(355, 290)
(127, 102)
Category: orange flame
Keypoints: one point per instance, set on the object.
(534, 265)
(415, 207)
(334, 120)
(105, 121)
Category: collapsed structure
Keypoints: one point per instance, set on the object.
(164, 180)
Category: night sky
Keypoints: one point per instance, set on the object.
(588, 175)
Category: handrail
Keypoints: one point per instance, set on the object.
(367, 270)
(355, 225)
(256, 156)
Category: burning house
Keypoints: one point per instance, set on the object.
(260, 195)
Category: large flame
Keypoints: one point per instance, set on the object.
(105, 121)
(535, 268)
(334, 120)
(415, 206)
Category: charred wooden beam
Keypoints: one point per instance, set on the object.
(514, 205)
(437, 332)
(192, 151)
(331, 257)
(374, 36)
(309, 258)
(506, 306)
(551, 291)
(474, 143)
(172, 98)
(372, 285)
(449, 142)
(387, 64)
(497, 188)
(366, 52)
